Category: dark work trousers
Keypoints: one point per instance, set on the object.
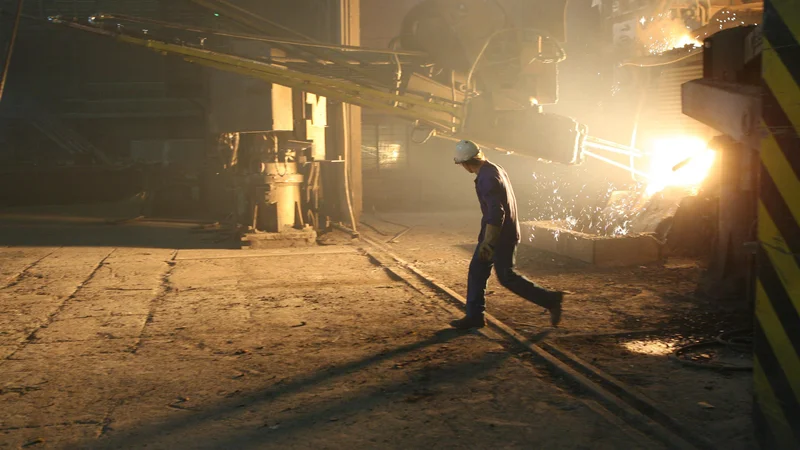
(503, 262)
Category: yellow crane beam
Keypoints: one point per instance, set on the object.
(444, 116)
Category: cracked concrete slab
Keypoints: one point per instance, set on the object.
(264, 351)
(64, 435)
(88, 328)
(76, 349)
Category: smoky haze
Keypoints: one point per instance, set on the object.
(427, 180)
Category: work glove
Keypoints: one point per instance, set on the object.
(490, 237)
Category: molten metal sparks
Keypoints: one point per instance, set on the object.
(683, 40)
(604, 211)
(679, 161)
(662, 34)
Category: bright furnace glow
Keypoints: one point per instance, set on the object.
(684, 40)
(669, 152)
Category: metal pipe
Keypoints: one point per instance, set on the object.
(262, 25)
(332, 92)
(347, 154)
(607, 148)
(352, 62)
(561, 56)
(398, 74)
(354, 234)
(480, 56)
(613, 145)
(246, 12)
(253, 37)
(455, 97)
(398, 236)
(14, 34)
(609, 143)
(615, 163)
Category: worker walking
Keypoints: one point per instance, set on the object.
(498, 241)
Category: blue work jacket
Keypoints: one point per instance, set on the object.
(498, 203)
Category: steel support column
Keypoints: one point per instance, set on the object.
(350, 140)
(777, 326)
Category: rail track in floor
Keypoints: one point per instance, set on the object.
(637, 415)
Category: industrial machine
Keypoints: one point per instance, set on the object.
(501, 59)
(659, 44)
(466, 69)
(462, 69)
(714, 34)
(270, 170)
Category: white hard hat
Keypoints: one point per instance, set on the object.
(466, 150)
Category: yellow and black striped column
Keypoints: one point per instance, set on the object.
(777, 330)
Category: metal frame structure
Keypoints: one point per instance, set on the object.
(370, 78)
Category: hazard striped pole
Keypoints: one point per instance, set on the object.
(776, 409)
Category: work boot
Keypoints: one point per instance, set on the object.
(467, 323)
(555, 310)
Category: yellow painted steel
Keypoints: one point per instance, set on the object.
(783, 261)
(443, 115)
(777, 335)
(288, 81)
(781, 172)
(777, 76)
(788, 11)
(347, 87)
(788, 359)
(769, 405)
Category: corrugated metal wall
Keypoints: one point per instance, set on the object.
(665, 114)
(385, 144)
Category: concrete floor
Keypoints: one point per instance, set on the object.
(150, 335)
(654, 303)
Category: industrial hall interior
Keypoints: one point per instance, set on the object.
(400, 224)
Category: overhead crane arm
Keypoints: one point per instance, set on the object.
(426, 109)
(452, 106)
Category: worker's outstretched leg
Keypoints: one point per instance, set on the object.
(508, 276)
(479, 272)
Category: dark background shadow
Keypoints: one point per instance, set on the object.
(425, 381)
(27, 231)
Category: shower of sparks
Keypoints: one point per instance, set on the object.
(596, 210)
(610, 210)
(728, 19)
(662, 34)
